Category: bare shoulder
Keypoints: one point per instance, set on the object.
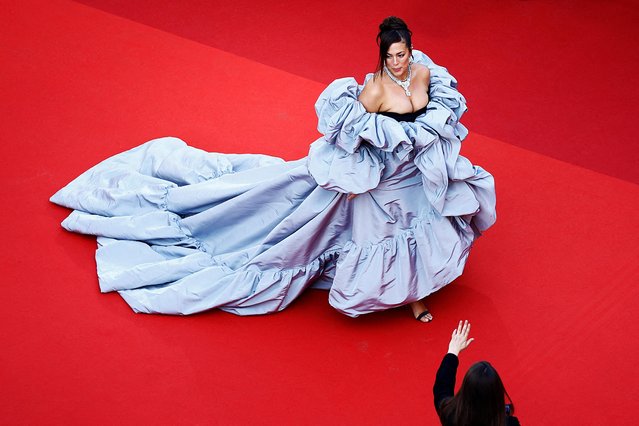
(422, 72)
(372, 94)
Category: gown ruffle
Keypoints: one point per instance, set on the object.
(181, 230)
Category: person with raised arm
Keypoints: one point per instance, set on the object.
(480, 400)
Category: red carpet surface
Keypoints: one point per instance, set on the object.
(551, 290)
(555, 77)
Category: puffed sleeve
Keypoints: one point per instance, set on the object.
(454, 186)
(348, 157)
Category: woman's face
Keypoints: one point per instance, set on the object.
(398, 59)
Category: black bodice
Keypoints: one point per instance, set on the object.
(408, 116)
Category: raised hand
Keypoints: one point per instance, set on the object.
(460, 341)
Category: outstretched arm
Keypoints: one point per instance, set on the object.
(445, 379)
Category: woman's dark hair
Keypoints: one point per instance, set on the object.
(480, 400)
(392, 30)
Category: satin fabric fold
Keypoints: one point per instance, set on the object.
(181, 230)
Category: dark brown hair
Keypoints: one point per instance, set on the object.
(480, 400)
(392, 30)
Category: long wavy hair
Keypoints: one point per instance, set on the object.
(480, 400)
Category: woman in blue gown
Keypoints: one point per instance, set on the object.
(382, 212)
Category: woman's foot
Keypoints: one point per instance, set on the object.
(420, 312)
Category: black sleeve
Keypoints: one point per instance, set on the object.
(445, 379)
(512, 421)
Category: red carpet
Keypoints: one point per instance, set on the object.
(551, 289)
(558, 78)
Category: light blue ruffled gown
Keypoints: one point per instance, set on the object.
(181, 230)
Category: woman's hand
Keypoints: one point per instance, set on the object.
(460, 341)
(351, 196)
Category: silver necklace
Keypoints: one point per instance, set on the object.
(402, 83)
